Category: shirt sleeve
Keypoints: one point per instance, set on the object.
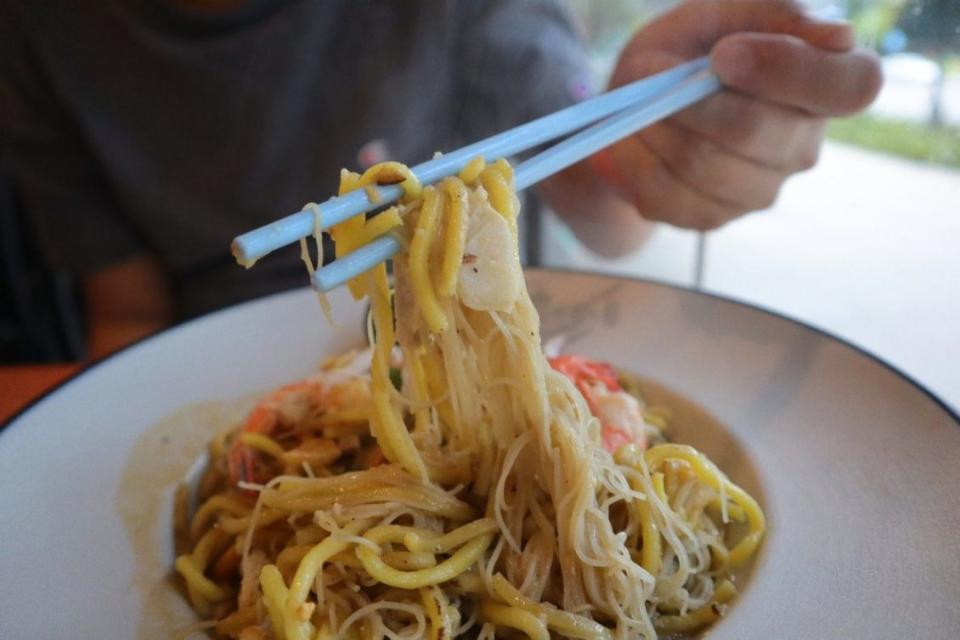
(520, 59)
(65, 197)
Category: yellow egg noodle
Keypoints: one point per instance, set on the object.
(450, 481)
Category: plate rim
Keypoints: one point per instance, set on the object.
(946, 407)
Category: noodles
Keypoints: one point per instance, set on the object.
(461, 482)
(308, 263)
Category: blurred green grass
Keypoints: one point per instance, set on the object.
(906, 139)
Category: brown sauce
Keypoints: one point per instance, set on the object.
(161, 458)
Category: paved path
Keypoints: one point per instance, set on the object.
(866, 246)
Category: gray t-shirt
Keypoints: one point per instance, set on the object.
(132, 126)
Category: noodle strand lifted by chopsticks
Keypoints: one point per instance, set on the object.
(457, 480)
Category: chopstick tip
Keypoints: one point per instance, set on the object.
(236, 248)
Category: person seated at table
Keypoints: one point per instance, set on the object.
(143, 136)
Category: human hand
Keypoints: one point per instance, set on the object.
(784, 73)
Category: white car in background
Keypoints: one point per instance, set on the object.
(912, 82)
(910, 67)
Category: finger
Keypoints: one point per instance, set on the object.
(643, 64)
(713, 172)
(595, 213)
(786, 70)
(692, 28)
(659, 195)
(781, 137)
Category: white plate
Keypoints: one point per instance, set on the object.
(856, 465)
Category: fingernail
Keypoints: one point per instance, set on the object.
(733, 62)
(836, 36)
(829, 30)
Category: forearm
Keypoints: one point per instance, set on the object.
(106, 335)
(604, 221)
(124, 303)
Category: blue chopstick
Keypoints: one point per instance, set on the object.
(257, 243)
(546, 163)
(629, 121)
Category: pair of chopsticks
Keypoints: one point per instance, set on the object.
(613, 115)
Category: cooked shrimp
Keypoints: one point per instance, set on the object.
(286, 404)
(323, 392)
(620, 414)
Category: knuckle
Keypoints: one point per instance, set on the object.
(647, 205)
(742, 127)
(722, 213)
(707, 222)
(808, 156)
(708, 216)
(743, 133)
(661, 205)
(694, 159)
(802, 151)
(767, 199)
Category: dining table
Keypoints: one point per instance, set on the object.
(21, 384)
